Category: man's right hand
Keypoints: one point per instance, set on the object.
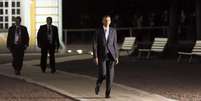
(96, 61)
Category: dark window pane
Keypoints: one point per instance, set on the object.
(18, 4)
(13, 4)
(13, 11)
(6, 26)
(1, 4)
(1, 18)
(18, 11)
(13, 18)
(6, 4)
(6, 11)
(6, 18)
(1, 11)
(1, 26)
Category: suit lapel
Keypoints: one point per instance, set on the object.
(110, 33)
(14, 30)
(103, 35)
(46, 29)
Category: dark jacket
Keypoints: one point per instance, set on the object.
(42, 37)
(24, 41)
(100, 45)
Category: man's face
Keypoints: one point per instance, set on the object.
(17, 22)
(49, 21)
(106, 21)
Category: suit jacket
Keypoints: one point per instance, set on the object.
(24, 37)
(100, 45)
(42, 37)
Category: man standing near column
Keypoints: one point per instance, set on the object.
(48, 41)
(105, 50)
(17, 42)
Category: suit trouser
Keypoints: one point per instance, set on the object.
(18, 56)
(44, 53)
(106, 71)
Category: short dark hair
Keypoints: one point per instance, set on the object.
(49, 17)
(18, 18)
(105, 16)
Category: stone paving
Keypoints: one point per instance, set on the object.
(79, 87)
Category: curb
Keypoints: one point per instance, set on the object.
(51, 88)
(72, 96)
(120, 85)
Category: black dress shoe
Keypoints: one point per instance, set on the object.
(43, 71)
(53, 71)
(17, 73)
(97, 89)
(107, 96)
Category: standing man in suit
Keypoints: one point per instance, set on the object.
(105, 54)
(17, 42)
(48, 41)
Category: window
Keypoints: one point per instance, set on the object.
(6, 26)
(13, 11)
(1, 11)
(9, 9)
(18, 11)
(13, 4)
(1, 4)
(6, 18)
(13, 18)
(1, 26)
(6, 4)
(1, 19)
(18, 4)
(6, 11)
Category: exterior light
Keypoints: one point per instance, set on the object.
(91, 53)
(79, 51)
(69, 51)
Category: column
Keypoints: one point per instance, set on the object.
(33, 24)
(198, 18)
(172, 46)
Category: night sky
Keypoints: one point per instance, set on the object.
(73, 10)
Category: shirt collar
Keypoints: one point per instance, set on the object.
(106, 28)
(49, 25)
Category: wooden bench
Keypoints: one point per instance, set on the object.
(195, 51)
(157, 46)
(128, 44)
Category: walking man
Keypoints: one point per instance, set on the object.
(17, 42)
(105, 54)
(48, 41)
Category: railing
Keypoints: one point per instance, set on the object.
(131, 30)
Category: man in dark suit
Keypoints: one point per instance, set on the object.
(17, 42)
(48, 41)
(105, 51)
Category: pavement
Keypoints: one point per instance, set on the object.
(20, 90)
(76, 86)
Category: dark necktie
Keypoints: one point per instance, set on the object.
(49, 34)
(17, 31)
(18, 34)
(48, 30)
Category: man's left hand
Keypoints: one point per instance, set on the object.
(116, 61)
